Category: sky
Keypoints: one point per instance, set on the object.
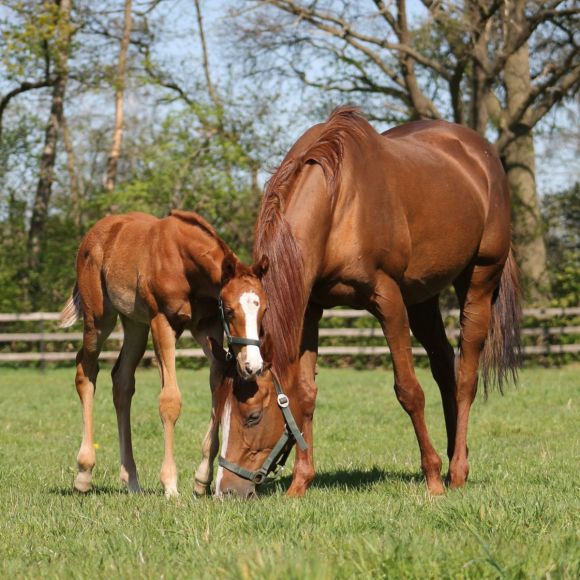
(557, 153)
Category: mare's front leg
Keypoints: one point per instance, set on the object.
(303, 472)
(210, 445)
(392, 314)
(164, 338)
(96, 331)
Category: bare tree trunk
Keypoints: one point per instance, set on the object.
(519, 160)
(47, 161)
(210, 87)
(113, 160)
(75, 192)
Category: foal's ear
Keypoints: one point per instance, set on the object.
(228, 267)
(217, 350)
(261, 267)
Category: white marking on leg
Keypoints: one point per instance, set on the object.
(225, 424)
(250, 303)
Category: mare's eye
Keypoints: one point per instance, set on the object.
(228, 313)
(253, 418)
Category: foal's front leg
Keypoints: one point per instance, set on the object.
(170, 398)
(210, 445)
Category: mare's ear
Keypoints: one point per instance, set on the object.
(217, 350)
(266, 349)
(228, 267)
(261, 267)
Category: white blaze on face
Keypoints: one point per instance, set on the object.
(250, 303)
(225, 424)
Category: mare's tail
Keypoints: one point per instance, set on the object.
(502, 353)
(72, 310)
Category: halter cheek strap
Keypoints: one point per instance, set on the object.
(279, 454)
(231, 340)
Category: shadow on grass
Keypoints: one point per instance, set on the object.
(101, 490)
(348, 479)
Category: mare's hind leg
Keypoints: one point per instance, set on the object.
(96, 332)
(392, 314)
(210, 445)
(164, 338)
(428, 328)
(123, 374)
(475, 295)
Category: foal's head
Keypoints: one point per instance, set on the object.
(243, 303)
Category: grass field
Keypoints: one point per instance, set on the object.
(366, 515)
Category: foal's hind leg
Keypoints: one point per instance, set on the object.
(134, 344)
(392, 314)
(95, 334)
(475, 298)
(170, 398)
(428, 328)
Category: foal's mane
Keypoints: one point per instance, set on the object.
(194, 219)
(284, 280)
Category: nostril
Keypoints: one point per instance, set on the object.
(248, 368)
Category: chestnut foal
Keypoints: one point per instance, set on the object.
(169, 275)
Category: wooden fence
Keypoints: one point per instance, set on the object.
(543, 333)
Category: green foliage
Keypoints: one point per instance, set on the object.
(367, 514)
(562, 218)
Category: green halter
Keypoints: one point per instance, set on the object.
(279, 454)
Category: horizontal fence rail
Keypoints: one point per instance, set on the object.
(41, 338)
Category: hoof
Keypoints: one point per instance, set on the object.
(436, 489)
(171, 492)
(83, 481)
(455, 482)
(296, 491)
(201, 489)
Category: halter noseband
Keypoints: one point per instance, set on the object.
(233, 339)
(279, 454)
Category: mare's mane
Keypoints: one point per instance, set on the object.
(284, 281)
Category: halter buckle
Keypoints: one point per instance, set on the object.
(283, 401)
(258, 478)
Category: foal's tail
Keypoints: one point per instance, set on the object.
(502, 353)
(72, 310)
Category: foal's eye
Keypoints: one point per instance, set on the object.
(253, 418)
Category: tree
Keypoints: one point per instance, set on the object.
(464, 60)
(562, 215)
(113, 160)
(62, 39)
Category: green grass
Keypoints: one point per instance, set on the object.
(366, 515)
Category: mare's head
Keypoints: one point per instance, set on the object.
(259, 425)
(253, 428)
(242, 306)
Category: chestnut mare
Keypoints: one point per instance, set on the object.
(168, 275)
(382, 223)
